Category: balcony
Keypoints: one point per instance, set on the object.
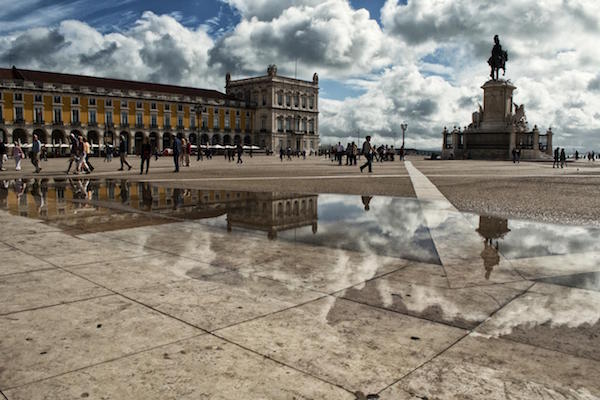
(124, 125)
(238, 130)
(139, 126)
(180, 127)
(93, 124)
(110, 125)
(38, 122)
(57, 123)
(263, 130)
(153, 126)
(227, 130)
(19, 121)
(167, 126)
(75, 123)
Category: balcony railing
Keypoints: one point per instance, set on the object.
(38, 122)
(19, 121)
(93, 124)
(124, 125)
(57, 123)
(180, 126)
(140, 126)
(110, 125)
(154, 126)
(76, 123)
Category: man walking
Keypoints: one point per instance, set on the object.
(123, 153)
(146, 155)
(2, 155)
(555, 164)
(177, 149)
(240, 151)
(367, 151)
(74, 156)
(36, 147)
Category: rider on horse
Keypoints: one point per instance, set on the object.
(498, 59)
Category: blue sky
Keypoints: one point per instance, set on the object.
(420, 61)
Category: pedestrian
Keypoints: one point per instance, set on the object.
(182, 153)
(199, 153)
(367, 151)
(146, 155)
(177, 150)
(555, 164)
(188, 152)
(240, 151)
(156, 154)
(518, 156)
(281, 154)
(18, 155)
(74, 145)
(514, 155)
(87, 150)
(36, 148)
(563, 158)
(3, 157)
(123, 153)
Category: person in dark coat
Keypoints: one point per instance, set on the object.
(177, 149)
(240, 151)
(146, 155)
(123, 153)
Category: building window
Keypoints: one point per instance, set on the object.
(124, 118)
(153, 120)
(1, 115)
(204, 121)
(153, 106)
(287, 100)
(280, 98)
(311, 102)
(39, 115)
(58, 115)
(296, 100)
(288, 124)
(311, 126)
(167, 107)
(75, 101)
(139, 105)
(180, 121)
(56, 99)
(216, 119)
(75, 116)
(279, 124)
(92, 101)
(264, 99)
(139, 119)
(167, 120)
(237, 122)
(109, 117)
(263, 123)
(38, 98)
(93, 117)
(180, 107)
(19, 114)
(18, 96)
(108, 102)
(297, 124)
(227, 121)
(192, 121)
(247, 122)
(303, 101)
(303, 125)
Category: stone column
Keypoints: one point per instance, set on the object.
(549, 141)
(536, 139)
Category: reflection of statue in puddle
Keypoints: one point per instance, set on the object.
(491, 229)
(366, 200)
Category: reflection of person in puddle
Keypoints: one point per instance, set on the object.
(490, 256)
(4, 193)
(147, 196)
(177, 198)
(366, 200)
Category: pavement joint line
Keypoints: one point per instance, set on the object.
(2, 276)
(104, 362)
(262, 178)
(56, 304)
(3, 395)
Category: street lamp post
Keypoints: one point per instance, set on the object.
(403, 126)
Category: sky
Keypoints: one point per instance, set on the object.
(380, 62)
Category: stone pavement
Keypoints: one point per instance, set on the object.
(181, 309)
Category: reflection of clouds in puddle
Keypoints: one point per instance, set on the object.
(569, 308)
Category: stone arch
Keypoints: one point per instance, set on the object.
(20, 135)
(109, 137)
(94, 140)
(58, 138)
(41, 134)
(204, 139)
(193, 138)
(166, 140)
(138, 140)
(216, 139)
(154, 140)
(247, 140)
(226, 140)
(237, 139)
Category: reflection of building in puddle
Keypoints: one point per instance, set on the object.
(274, 212)
(491, 229)
(95, 205)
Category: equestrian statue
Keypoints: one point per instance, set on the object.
(498, 59)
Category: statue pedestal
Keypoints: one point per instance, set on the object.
(496, 129)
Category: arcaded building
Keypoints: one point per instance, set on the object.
(53, 105)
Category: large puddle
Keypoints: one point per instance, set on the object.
(382, 225)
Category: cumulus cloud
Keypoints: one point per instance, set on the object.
(156, 48)
(329, 36)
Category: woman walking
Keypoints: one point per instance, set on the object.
(18, 155)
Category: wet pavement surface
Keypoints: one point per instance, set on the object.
(132, 290)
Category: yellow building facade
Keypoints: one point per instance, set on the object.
(106, 111)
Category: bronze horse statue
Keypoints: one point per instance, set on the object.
(498, 59)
